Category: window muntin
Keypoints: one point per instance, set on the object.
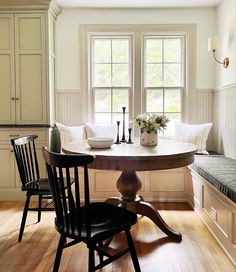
(111, 77)
(109, 103)
(163, 76)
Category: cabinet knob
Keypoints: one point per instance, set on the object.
(15, 98)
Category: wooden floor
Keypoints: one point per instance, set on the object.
(197, 252)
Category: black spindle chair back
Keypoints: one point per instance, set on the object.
(91, 223)
(66, 196)
(27, 162)
(26, 159)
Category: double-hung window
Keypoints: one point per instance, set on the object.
(113, 69)
(163, 65)
(111, 77)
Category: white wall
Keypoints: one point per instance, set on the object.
(225, 93)
(67, 38)
(226, 30)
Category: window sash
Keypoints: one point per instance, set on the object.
(93, 39)
(162, 86)
(162, 63)
(112, 87)
(113, 113)
(181, 89)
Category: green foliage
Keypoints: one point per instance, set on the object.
(151, 122)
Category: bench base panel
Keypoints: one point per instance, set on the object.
(216, 210)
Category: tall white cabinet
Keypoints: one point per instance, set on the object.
(27, 80)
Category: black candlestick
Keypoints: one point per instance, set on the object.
(118, 133)
(123, 136)
(130, 141)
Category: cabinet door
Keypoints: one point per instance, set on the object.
(7, 167)
(31, 70)
(7, 86)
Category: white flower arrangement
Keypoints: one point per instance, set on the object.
(151, 122)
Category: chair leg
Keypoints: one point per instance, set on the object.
(91, 260)
(39, 207)
(59, 253)
(132, 251)
(23, 220)
(100, 244)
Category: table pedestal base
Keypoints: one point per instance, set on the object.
(128, 185)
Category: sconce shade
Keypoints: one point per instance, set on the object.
(213, 43)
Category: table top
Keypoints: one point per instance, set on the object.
(167, 154)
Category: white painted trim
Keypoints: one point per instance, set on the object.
(188, 30)
(204, 90)
(225, 87)
(59, 91)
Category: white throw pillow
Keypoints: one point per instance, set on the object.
(195, 134)
(71, 133)
(96, 130)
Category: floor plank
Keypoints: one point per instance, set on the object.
(198, 251)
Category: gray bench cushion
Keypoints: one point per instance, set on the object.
(219, 171)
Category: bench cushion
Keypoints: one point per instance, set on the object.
(219, 171)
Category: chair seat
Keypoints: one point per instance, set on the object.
(106, 219)
(41, 185)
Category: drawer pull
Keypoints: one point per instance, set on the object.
(14, 135)
(15, 98)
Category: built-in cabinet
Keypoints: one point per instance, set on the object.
(27, 61)
(27, 82)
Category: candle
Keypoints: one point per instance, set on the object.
(123, 136)
(130, 141)
(118, 133)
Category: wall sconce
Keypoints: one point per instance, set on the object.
(213, 45)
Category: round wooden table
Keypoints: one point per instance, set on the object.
(130, 158)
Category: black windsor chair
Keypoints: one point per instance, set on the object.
(27, 163)
(91, 223)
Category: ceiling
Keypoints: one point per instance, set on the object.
(137, 3)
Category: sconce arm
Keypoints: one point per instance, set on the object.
(225, 62)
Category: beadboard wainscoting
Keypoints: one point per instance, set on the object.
(205, 111)
(69, 107)
(225, 120)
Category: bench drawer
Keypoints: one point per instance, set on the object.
(217, 210)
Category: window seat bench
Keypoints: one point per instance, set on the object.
(213, 196)
(220, 171)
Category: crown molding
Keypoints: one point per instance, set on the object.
(30, 5)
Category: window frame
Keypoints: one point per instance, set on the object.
(92, 38)
(182, 87)
(137, 104)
